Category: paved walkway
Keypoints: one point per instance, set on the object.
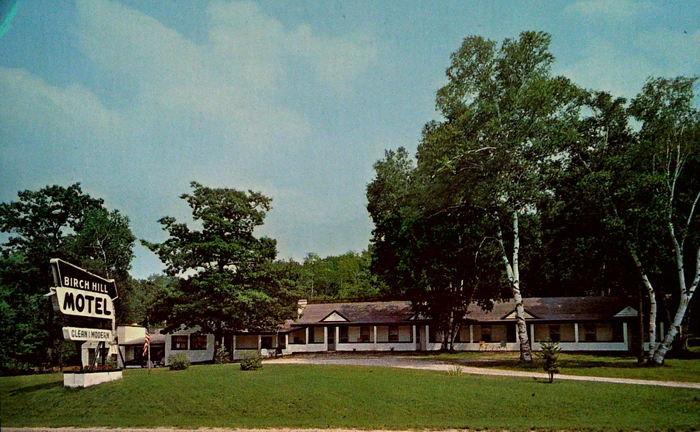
(406, 362)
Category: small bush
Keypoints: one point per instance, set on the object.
(179, 361)
(221, 356)
(252, 363)
(454, 371)
(550, 354)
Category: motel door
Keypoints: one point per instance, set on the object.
(331, 339)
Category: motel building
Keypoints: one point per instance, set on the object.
(594, 324)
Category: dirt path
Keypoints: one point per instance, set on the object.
(162, 429)
(412, 363)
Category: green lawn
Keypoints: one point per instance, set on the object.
(343, 396)
(582, 364)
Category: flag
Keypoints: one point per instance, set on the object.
(146, 343)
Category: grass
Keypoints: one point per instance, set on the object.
(342, 396)
(582, 364)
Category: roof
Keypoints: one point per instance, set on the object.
(395, 312)
(556, 308)
(388, 312)
(157, 338)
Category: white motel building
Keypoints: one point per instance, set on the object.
(578, 323)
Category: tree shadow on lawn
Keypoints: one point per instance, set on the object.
(36, 387)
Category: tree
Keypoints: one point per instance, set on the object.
(227, 281)
(424, 251)
(667, 154)
(53, 222)
(507, 120)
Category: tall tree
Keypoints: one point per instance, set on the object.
(424, 251)
(508, 118)
(668, 155)
(54, 222)
(228, 281)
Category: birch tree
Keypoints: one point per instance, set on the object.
(668, 152)
(511, 116)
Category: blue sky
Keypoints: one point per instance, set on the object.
(135, 99)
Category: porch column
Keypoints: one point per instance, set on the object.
(413, 328)
(517, 333)
(374, 329)
(286, 341)
(624, 334)
(325, 337)
(532, 334)
(427, 336)
(576, 332)
(233, 348)
(259, 343)
(337, 336)
(471, 333)
(661, 331)
(306, 337)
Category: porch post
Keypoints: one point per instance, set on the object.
(374, 329)
(471, 333)
(624, 334)
(337, 336)
(325, 337)
(427, 336)
(661, 330)
(259, 343)
(576, 332)
(306, 337)
(413, 328)
(517, 334)
(233, 348)
(532, 334)
(286, 341)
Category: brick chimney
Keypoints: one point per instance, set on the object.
(301, 304)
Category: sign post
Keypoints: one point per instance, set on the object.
(85, 297)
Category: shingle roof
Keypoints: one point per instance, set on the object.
(388, 312)
(557, 308)
(541, 308)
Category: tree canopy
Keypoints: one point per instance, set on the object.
(228, 282)
(53, 222)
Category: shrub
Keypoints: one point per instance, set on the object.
(252, 363)
(454, 370)
(221, 356)
(550, 354)
(179, 361)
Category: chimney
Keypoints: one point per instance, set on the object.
(301, 304)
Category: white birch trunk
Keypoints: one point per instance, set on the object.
(686, 296)
(652, 302)
(513, 273)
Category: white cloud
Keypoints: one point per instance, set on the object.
(29, 102)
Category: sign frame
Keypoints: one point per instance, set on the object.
(70, 275)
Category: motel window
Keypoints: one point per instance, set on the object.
(393, 333)
(198, 342)
(486, 333)
(554, 332)
(266, 342)
(364, 334)
(344, 334)
(589, 330)
(178, 342)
